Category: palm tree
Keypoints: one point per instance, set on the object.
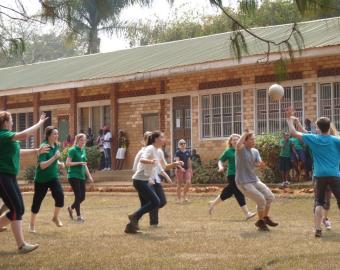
(89, 17)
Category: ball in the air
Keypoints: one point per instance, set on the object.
(276, 91)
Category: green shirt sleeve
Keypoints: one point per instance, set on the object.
(70, 153)
(7, 136)
(225, 156)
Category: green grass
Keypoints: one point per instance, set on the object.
(188, 238)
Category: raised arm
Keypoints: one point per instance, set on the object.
(29, 131)
(241, 141)
(69, 163)
(39, 151)
(290, 122)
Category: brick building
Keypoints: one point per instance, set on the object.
(192, 89)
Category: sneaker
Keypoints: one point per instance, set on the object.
(287, 183)
(26, 248)
(103, 170)
(57, 222)
(133, 222)
(327, 223)
(130, 229)
(80, 220)
(270, 222)
(250, 215)
(2, 229)
(318, 233)
(31, 229)
(186, 200)
(262, 226)
(70, 212)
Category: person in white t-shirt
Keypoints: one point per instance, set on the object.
(107, 149)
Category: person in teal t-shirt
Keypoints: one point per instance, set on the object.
(231, 189)
(285, 163)
(76, 174)
(47, 178)
(298, 157)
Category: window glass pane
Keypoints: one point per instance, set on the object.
(14, 118)
(325, 101)
(178, 118)
(150, 122)
(261, 111)
(107, 116)
(84, 120)
(227, 114)
(31, 138)
(206, 118)
(22, 126)
(237, 114)
(96, 121)
(187, 118)
(216, 115)
(336, 104)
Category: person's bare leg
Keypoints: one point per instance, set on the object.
(318, 214)
(55, 218)
(121, 164)
(16, 226)
(266, 210)
(213, 203)
(261, 214)
(185, 191)
(32, 222)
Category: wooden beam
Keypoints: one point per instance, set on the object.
(114, 121)
(36, 117)
(73, 112)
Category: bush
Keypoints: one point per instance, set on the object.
(29, 174)
(269, 148)
(208, 174)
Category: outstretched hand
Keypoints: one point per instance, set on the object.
(43, 118)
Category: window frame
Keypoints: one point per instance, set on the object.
(200, 109)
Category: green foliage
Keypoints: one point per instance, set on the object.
(269, 148)
(208, 174)
(29, 174)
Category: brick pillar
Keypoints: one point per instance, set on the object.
(248, 109)
(114, 121)
(162, 113)
(3, 103)
(36, 117)
(310, 101)
(73, 112)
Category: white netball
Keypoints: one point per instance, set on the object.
(276, 91)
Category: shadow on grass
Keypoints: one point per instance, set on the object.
(8, 253)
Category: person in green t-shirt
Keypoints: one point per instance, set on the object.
(298, 157)
(76, 174)
(9, 167)
(47, 178)
(285, 162)
(231, 189)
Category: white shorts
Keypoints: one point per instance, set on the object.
(121, 153)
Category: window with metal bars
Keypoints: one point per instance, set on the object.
(270, 114)
(329, 102)
(221, 114)
(22, 121)
(95, 117)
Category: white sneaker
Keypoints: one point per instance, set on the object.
(26, 248)
(250, 215)
(31, 229)
(103, 170)
(327, 224)
(80, 220)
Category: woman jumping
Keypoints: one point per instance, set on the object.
(77, 172)
(231, 189)
(9, 168)
(47, 178)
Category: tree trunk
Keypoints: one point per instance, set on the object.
(93, 41)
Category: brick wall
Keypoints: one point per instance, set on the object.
(130, 114)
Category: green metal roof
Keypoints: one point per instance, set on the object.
(316, 34)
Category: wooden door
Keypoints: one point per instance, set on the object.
(181, 120)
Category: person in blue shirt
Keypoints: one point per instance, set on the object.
(325, 150)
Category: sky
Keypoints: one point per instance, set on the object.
(159, 10)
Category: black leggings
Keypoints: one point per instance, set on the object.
(11, 196)
(40, 191)
(79, 190)
(231, 189)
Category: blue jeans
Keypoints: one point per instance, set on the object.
(148, 197)
(107, 155)
(158, 188)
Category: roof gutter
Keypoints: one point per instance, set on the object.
(248, 60)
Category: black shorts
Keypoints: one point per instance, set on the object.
(285, 164)
(321, 185)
